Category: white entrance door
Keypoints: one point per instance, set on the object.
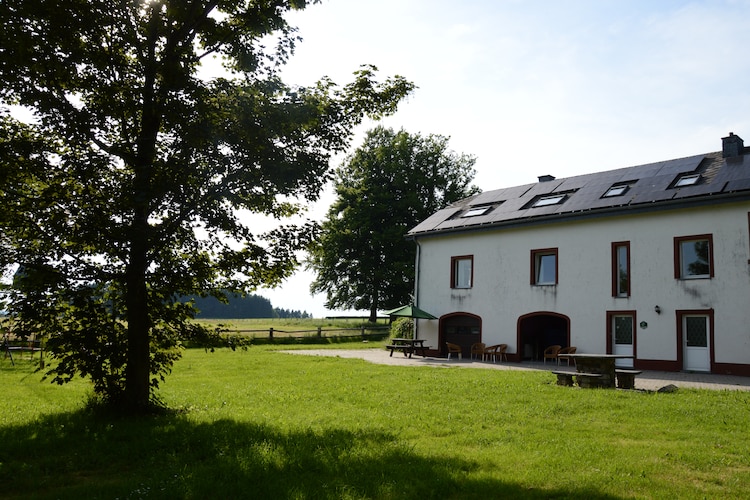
(695, 343)
(623, 331)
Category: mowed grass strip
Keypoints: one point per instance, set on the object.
(264, 424)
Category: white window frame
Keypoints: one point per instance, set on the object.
(546, 201)
(617, 190)
(476, 211)
(687, 180)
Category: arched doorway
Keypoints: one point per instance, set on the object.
(539, 330)
(463, 329)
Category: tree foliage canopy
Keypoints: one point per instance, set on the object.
(124, 192)
(393, 181)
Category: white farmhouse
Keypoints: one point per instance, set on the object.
(652, 260)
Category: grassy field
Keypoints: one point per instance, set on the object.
(264, 424)
(303, 329)
(289, 323)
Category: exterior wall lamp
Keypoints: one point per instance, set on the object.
(657, 309)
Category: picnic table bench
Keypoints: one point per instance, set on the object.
(564, 378)
(407, 346)
(626, 378)
(10, 346)
(584, 379)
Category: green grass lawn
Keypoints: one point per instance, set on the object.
(264, 424)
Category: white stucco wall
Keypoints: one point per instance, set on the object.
(501, 291)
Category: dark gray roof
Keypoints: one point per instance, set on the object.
(649, 187)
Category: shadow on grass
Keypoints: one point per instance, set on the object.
(81, 455)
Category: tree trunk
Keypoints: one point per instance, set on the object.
(373, 312)
(137, 372)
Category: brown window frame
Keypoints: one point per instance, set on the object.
(616, 269)
(454, 271)
(678, 241)
(535, 255)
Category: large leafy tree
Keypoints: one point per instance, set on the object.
(127, 188)
(392, 182)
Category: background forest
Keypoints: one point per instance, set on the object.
(238, 307)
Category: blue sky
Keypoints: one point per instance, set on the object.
(540, 87)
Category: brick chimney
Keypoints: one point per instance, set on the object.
(732, 146)
(547, 178)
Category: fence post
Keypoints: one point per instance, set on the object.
(320, 332)
(270, 333)
(363, 332)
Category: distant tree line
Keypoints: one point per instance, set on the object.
(238, 307)
(288, 313)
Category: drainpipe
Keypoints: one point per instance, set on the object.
(416, 286)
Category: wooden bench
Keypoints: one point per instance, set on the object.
(564, 378)
(626, 378)
(588, 380)
(406, 348)
(19, 345)
(421, 350)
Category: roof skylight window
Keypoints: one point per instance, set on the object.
(477, 211)
(616, 190)
(687, 180)
(546, 201)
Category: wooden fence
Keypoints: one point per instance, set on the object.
(318, 335)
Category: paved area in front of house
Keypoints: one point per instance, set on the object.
(648, 380)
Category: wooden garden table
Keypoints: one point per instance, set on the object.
(408, 346)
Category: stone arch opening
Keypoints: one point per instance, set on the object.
(539, 330)
(462, 328)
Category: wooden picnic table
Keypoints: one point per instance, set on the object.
(596, 370)
(11, 345)
(407, 346)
